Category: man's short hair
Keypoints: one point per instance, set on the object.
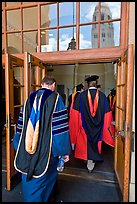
(48, 80)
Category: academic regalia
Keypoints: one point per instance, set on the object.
(91, 124)
(112, 101)
(69, 102)
(44, 117)
(77, 90)
(73, 113)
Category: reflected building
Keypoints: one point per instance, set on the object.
(106, 29)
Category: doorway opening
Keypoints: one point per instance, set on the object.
(68, 76)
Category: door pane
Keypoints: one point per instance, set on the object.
(65, 37)
(2, 21)
(116, 33)
(107, 35)
(13, 20)
(87, 39)
(14, 43)
(29, 40)
(111, 10)
(87, 9)
(49, 15)
(66, 13)
(49, 40)
(30, 18)
(2, 43)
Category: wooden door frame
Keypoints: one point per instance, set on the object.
(97, 55)
(128, 126)
(30, 59)
(127, 58)
(7, 61)
(89, 56)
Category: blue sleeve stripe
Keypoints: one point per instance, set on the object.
(20, 118)
(20, 122)
(59, 122)
(60, 126)
(60, 117)
(60, 113)
(61, 130)
(19, 128)
(60, 133)
(18, 131)
(20, 125)
(21, 114)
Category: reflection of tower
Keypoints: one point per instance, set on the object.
(106, 29)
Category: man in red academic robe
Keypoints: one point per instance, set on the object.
(74, 113)
(92, 119)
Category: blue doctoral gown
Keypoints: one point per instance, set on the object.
(39, 170)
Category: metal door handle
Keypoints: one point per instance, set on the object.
(113, 136)
(112, 123)
(121, 133)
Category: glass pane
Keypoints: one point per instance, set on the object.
(29, 40)
(66, 11)
(48, 40)
(13, 20)
(116, 33)
(110, 34)
(13, 3)
(65, 37)
(2, 43)
(2, 22)
(94, 34)
(87, 9)
(33, 78)
(17, 89)
(110, 10)
(106, 35)
(30, 18)
(49, 15)
(14, 43)
(86, 39)
(19, 79)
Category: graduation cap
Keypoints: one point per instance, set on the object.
(92, 78)
(79, 87)
(113, 92)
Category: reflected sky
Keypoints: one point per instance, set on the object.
(86, 15)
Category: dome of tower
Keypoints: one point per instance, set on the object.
(104, 9)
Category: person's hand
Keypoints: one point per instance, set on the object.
(66, 158)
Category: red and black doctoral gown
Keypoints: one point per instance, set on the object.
(112, 101)
(90, 118)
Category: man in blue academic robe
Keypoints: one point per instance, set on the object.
(42, 136)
